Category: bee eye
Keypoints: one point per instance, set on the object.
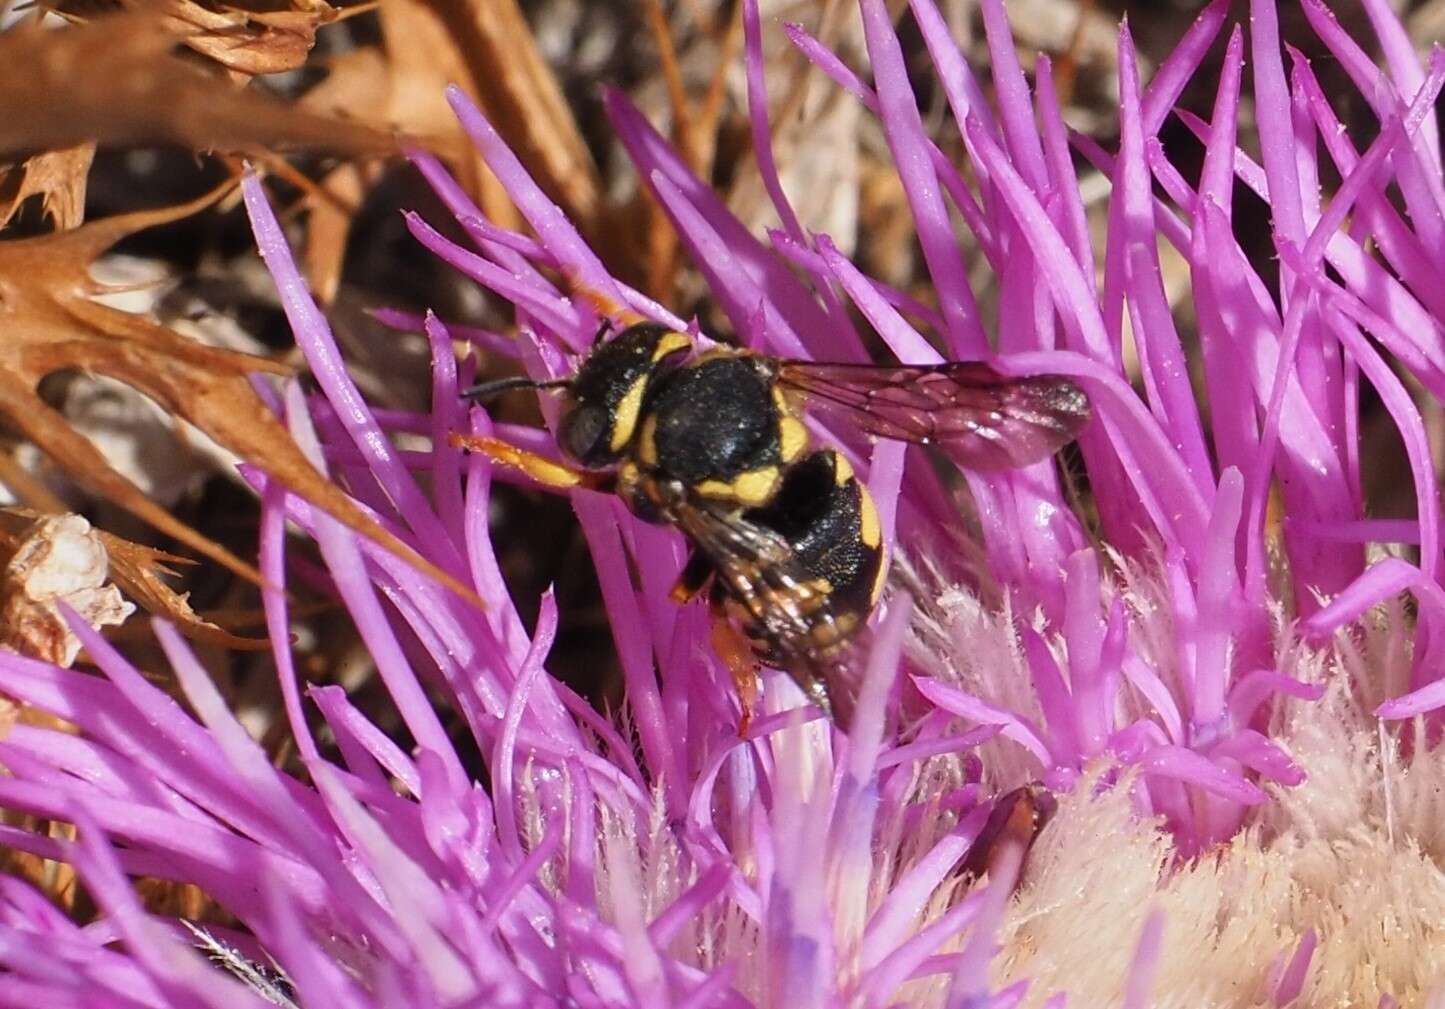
(582, 432)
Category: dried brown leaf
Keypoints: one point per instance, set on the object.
(246, 41)
(358, 85)
(52, 324)
(116, 80)
(88, 557)
(57, 177)
(407, 83)
(141, 573)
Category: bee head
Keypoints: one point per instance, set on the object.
(603, 404)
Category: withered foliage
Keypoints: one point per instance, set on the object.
(140, 73)
(54, 324)
(57, 177)
(47, 559)
(506, 71)
(141, 572)
(136, 74)
(46, 562)
(484, 46)
(248, 39)
(118, 80)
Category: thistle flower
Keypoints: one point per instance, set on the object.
(1149, 671)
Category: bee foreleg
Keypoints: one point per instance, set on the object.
(546, 472)
(605, 305)
(816, 688)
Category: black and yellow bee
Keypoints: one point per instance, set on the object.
(713, 443)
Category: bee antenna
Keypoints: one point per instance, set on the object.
(483, 391)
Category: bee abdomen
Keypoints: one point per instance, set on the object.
(829, 520)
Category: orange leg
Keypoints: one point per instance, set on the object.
(541, 469)
(737, 655)
(692, 579)
(605, 305)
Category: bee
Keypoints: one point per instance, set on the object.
(785, 538)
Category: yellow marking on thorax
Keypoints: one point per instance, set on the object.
(842, 469)
(647, 441)
(792, 439)
(624, 418)
(880, 579)
(792, 435)
(870, 530)
(671, 343)
(755, 487)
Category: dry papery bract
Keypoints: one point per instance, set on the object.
(49, 561)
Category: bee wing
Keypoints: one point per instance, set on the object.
(992, 421)
(761, 572)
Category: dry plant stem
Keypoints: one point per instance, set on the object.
(682, 118)
(712, 102)
(1066, 70)
(695, 130)
(422, 57)
(28, 490)
(523, 97)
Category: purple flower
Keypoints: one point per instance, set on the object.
(1140, 669)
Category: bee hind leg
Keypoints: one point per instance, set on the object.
(548, 473)
(815, 687)
(692, 579)
(737, 655)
